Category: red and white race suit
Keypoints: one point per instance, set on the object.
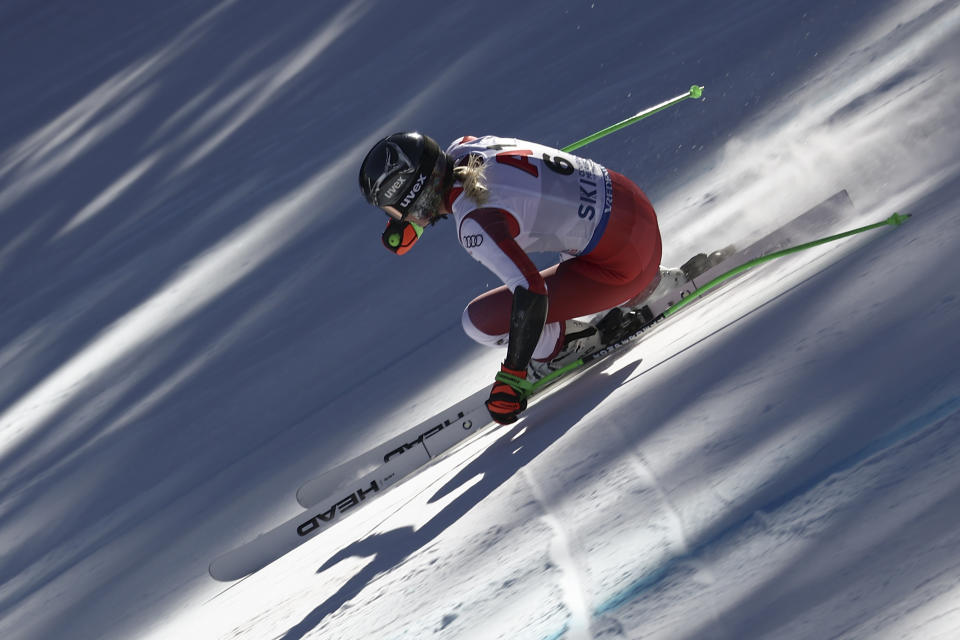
(545, 200)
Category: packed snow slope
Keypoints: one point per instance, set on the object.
(196, 315)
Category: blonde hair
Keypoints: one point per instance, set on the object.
(473, 178)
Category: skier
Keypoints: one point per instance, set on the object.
(509, 198)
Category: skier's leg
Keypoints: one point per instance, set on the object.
(487, 320)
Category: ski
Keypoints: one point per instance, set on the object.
(398, 459)
(343, 490)
(330, 482)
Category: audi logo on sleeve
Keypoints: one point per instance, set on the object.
(472, 241)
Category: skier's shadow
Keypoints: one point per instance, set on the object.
(544, 424)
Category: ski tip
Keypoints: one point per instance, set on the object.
(221, 576)
(222, 569)
(304, 499)
(215, 573)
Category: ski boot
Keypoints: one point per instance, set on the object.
(580, 339)
(702, 262)
(632, 315)
(665, 286)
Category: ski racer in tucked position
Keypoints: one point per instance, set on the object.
(510, 198)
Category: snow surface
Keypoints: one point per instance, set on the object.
(197, 316)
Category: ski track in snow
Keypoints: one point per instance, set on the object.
(687, 555)
(564, 554)
(681, 543)
(903, 435)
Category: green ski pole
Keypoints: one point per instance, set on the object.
(895, 220)
(694, 92)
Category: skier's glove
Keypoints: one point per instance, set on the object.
(400, 236)
(508, 397)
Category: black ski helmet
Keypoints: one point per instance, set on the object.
(407, 172)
